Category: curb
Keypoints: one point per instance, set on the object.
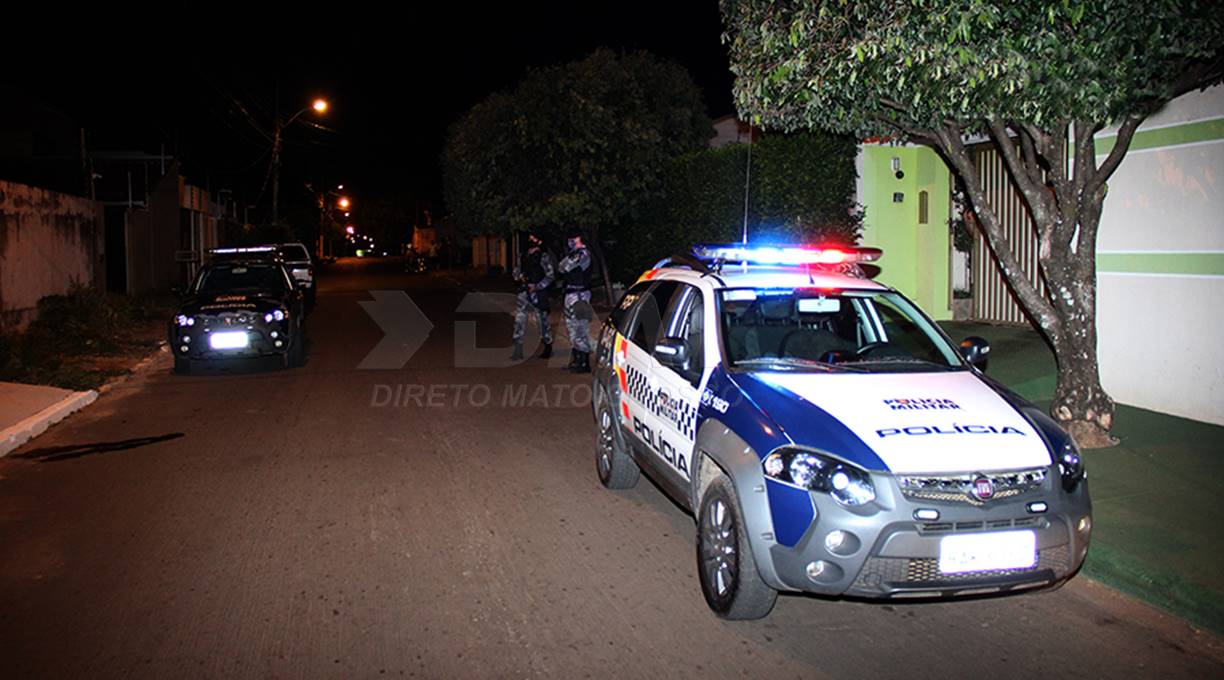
(13, 437)
(139, 368)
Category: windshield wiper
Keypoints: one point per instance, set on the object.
(904, 360)
(796, 362)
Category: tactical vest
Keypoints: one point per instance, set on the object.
(533, 270)
(577, 279)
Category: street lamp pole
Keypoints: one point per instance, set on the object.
(319, 106)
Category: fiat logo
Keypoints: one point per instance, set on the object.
(983, 489)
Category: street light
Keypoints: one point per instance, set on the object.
(344, 202)
(318, 106)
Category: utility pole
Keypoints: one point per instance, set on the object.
(276, 165)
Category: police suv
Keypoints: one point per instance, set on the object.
(828, 436)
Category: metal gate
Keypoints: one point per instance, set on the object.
(992, 299)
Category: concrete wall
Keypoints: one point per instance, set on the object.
(917, 254)
(49, 243)
(1160, 263)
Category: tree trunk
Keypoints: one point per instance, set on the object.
(1066, 211)
(597, 251)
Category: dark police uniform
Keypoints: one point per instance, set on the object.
(537, 276)
(575, 271)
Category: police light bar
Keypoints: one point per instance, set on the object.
(233, 251)
(785, 255)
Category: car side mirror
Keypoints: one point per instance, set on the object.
(673, 353)
(976, 351)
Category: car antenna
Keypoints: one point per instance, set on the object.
(747, 185)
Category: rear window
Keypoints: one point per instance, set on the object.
(294, 253)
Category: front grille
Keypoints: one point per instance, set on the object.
(225, 320)
(951, 527)
(880, 572)
(959, 488)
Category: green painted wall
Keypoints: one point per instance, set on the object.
(917, 257)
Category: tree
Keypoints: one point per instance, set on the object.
(584, 144)
(1038, 77)
(802, 190)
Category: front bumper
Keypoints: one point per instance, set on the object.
(262, 340)
(888, 553)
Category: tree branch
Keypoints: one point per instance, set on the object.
(1121, 145)
(1028, 151)
(953, 147)
(1034, 193)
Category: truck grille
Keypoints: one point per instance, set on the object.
(959, 488)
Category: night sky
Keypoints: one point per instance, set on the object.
(205, 78)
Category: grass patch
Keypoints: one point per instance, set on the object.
(76, 338)
(1111, 564)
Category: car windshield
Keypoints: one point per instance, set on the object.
(294, 253)
(818, 329)
(226, 277)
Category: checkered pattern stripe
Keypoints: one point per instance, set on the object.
(639, 390)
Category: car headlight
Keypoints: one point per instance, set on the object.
(184, 320)
(276, 315)
(846, 483)
(1071, 466)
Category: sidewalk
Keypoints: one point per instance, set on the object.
(26, 411)
(1154, 496)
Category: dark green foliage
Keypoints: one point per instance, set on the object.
(802, 190)
(582, 144)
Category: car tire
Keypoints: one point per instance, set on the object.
(182, 365)
(732, 587)
(616, 468)
(294, 355)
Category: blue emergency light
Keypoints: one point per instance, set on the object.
(788, 255)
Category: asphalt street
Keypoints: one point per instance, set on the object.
(439, 521)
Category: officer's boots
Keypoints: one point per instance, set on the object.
(547, 353)
(582, 362)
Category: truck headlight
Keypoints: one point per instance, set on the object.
(1071, 466)
(276, 315)
(846, 483)
(184, 320)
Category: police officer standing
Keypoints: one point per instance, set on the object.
(575, 271)
(535, 278)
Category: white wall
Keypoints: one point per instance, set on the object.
(1160, 257)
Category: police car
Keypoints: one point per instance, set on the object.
(242, 304)
(828, 436)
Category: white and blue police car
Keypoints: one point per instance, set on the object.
(828, 436)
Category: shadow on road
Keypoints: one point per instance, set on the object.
(51, 454)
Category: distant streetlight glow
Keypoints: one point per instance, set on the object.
(344, 202)
(349, 229)
(320, 105)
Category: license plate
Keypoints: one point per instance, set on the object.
(228, 340)
(965, 553)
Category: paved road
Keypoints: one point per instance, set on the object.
(282, 524)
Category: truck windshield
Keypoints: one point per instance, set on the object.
(793, 329)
